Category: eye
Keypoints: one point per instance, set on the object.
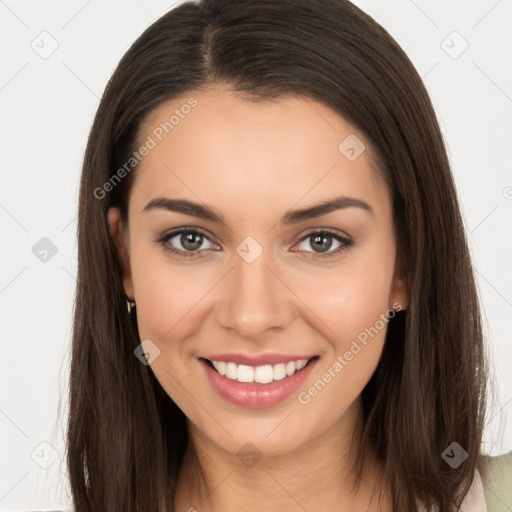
(322, 241)
(191, 241)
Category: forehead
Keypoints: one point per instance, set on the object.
(227, 150)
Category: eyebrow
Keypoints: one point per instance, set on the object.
(292, 217)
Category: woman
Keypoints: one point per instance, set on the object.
(266, 184)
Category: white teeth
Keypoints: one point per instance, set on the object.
(260, 374)
(290, 368)
(231, 371)
(221, 368)
(264, 374)
(279, 371)
(245, 373)
(300, 364)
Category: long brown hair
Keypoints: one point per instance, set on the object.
(126, 437)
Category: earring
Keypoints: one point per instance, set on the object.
(130, 304)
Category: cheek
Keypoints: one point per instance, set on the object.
(167, 296)
(169, 313)
(350, 299)
(354, 307)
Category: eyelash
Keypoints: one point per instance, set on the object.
(345, 242)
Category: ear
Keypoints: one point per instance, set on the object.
(119, 233)
(399, 297)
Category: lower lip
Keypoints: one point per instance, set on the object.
(256, 395)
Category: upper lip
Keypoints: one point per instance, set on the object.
(257, 360)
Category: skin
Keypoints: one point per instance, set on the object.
(253, 162)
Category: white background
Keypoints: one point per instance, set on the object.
(47, 110)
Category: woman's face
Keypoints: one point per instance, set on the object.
(261, 278)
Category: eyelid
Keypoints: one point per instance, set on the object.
(166, 236)
(345, 241)
(335, 232)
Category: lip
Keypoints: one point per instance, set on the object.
(255, 395)
(257, 360)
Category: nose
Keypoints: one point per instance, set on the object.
(255, 298)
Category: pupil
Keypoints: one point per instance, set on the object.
(191, 241)
(324, 242)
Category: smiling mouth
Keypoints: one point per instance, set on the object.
(258, 375)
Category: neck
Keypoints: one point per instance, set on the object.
(317, 476)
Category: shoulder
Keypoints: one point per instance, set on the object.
(497, 482)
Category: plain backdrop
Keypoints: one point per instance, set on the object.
(56, 59)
